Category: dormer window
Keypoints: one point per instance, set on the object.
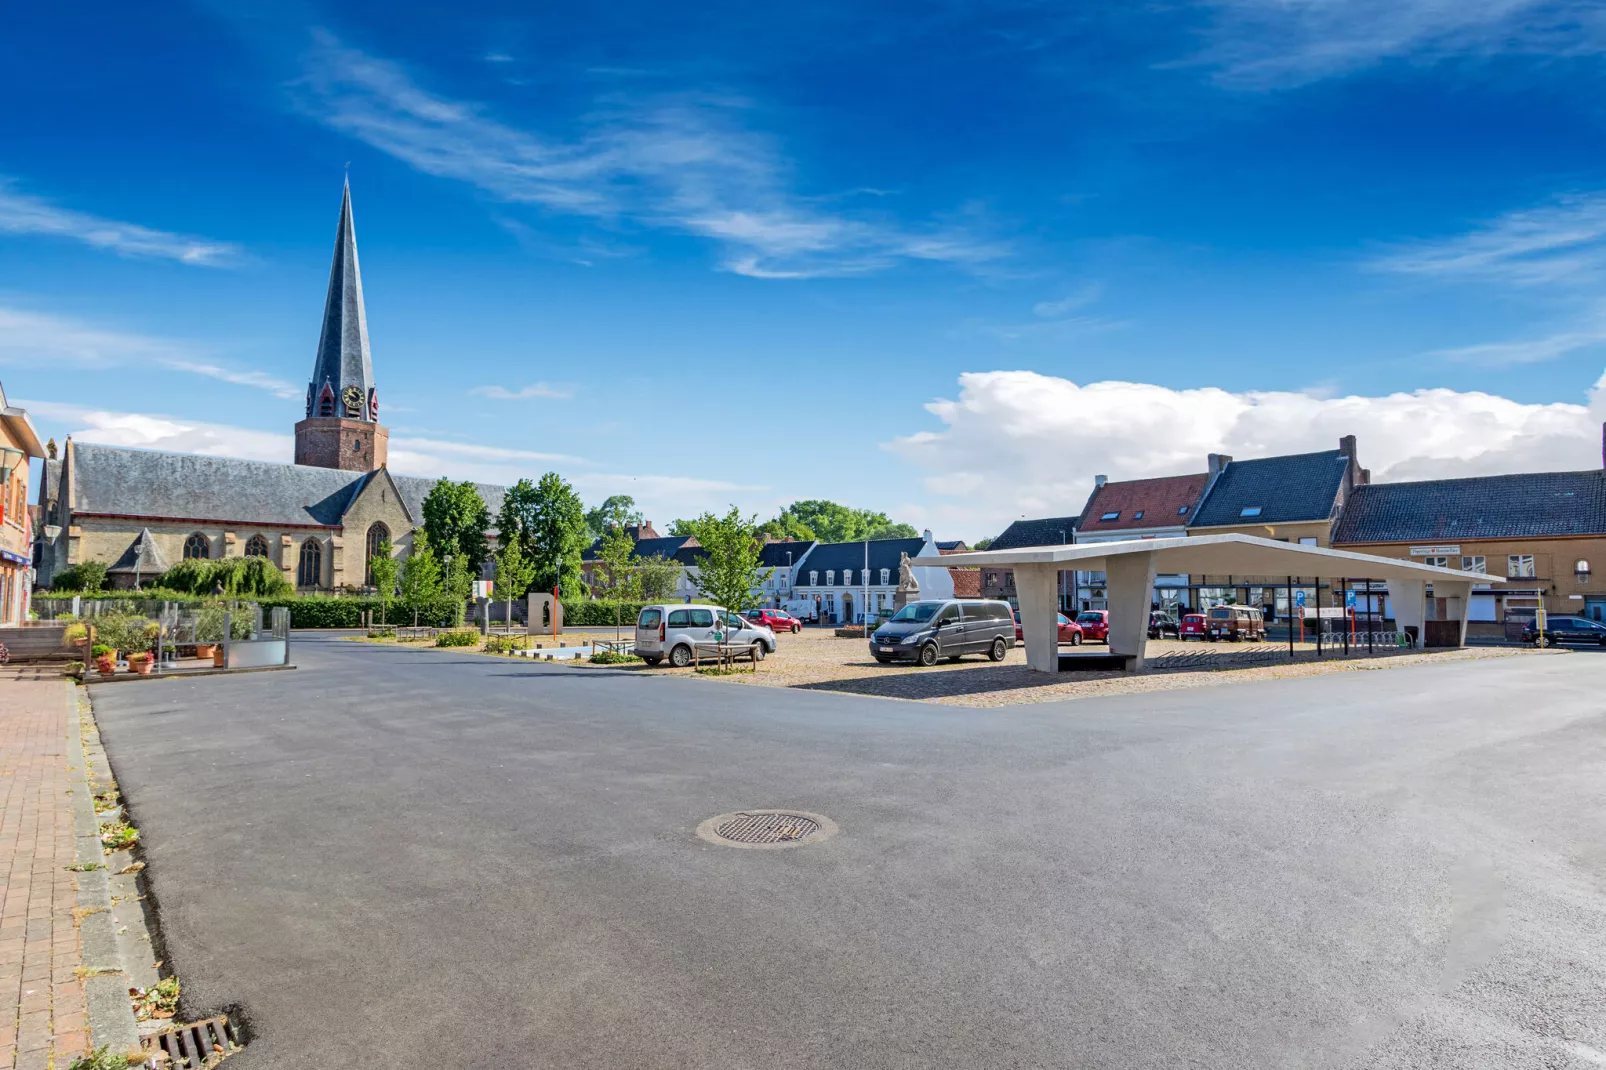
(1182, 510)
(1249, 510)
(830, 576)
(814, 578)
(886, 576)
(1111, 516)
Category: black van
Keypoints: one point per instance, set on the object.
(945, 628)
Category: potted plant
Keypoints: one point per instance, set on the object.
(76, 635)
(105, 659)
(140, 636)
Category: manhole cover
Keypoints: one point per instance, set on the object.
(767, 828)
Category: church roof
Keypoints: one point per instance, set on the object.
(343, 359)
(414, 489)
(141, 557)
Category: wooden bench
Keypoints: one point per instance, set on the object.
(725, 655)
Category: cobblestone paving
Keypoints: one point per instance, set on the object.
(42, 1012)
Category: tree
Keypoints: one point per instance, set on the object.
(616, 557)
(86, 576)
(513, 574)
(618, 511)
(831, 522)
(456, 519)
(682, 529)
(657, 577)
(384, 568)
(730, 575)
(458, 584)
(787, 526)
(981, 544)
(420, 581)
(549, 522)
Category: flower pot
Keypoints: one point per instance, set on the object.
(106, 666)
(205, 650)
(140, 664)
(217, 658)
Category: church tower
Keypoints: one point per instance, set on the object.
(342, 428)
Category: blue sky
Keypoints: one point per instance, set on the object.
(949, 261)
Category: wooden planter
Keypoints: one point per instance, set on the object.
(217, 658)
(206, 650)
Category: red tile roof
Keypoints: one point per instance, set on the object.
(967, 582)
(1164, 502)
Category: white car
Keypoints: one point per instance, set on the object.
(674, 632)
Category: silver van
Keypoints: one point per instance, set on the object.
(945, 628)
(674, 631)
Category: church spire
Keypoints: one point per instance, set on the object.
(343, 376)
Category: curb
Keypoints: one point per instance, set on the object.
(106, 983)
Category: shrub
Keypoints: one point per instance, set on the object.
(381, 633)
(506, 644)
(241, 577)
(75, 631)
(100, 650)
(209, 622)
(126, 633)
(611, 657)
(85, 576)
(458, 637)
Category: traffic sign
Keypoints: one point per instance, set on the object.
(1349, 599)
(1299, 599)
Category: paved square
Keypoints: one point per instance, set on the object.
(402, 857)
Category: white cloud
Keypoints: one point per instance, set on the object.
(147, 431)
(1561, 242)
(21, 213)
(1530, 351)
(534, 390)
(1019, 443)
(685, 164)
(38, 338)
(1268, 44)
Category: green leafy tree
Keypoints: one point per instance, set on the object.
(422, 585)
(384, 569)
(730, 575)
(456, 520)
(514, 571)
(614, 566)
(549, 522)
(657, 577)
(84, 576)
(832, 522)
(981, 544)
(457, 584)
(787, 526)
(682, 528)
(617, 511)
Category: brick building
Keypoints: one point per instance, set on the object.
(19, 443)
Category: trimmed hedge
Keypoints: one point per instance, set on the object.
(306, 611)
(600, 611)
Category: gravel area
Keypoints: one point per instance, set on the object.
(816, 660)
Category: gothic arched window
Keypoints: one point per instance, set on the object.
(309, 572)
(378, 546)
(198, 545)
(256, 546)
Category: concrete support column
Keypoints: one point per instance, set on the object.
(1039, 615)
(1129, 579)
(1458, 601)
(1406, 598)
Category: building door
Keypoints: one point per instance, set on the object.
(847, 607)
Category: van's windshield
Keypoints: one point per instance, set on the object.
(917, 611)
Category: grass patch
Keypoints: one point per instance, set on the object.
(84, 867)
(719, 670)
(104, 1058)
(458, 637)
(118, 836)
(507, 644)
(612, 657)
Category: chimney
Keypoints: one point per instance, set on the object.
(1366, 476)
(1099, 481)
(1216, 462)
(1602, 444)
(926, 535)
(1346, 446)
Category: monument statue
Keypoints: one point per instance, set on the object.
(908, 587)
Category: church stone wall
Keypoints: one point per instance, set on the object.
(99, 539)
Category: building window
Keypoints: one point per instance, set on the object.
(1307, 540)
(830, 576)
(886, 576)
(1111, 516)
(992, 579)
(814, 578)
(1520, 567)
(309, 570)
(1138, 515)
(1581, 570)
(378, 546)
(1249, 510)
(1182, 510)
(1437, 562)
(1474, 564)
(197, 546)
(256, 546)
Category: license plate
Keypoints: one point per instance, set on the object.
(889, 650)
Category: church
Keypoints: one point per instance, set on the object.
(320, 520)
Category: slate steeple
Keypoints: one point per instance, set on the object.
(342, 429)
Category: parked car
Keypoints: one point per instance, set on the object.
(1193, 626)
(1069, 631)
(674, 631)
(1164, 624)
(949, 628)
(776, 620)
(1566, 630)
(1095, 624)
(1234, 623)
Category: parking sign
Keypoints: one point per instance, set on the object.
(1349, 599)
(1299, 599)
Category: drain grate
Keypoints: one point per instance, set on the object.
(766, 828)
(200, 1044)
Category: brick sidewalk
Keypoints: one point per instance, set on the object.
(42, 1010)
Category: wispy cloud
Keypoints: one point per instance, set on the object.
(161, 432)
(686, 163)
(1063, 306)
(35, 337)
(1561, 242)
(22, 213)
(1530, 351)
(534, 390)
(1272, 44)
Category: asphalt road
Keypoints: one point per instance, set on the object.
(397, 857)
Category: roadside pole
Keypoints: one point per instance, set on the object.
(1292, 609)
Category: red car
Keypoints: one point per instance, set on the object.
(1192, 627)
(776, 620)
(1095, 624)
(1070, 631)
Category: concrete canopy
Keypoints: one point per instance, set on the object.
(1130, 567)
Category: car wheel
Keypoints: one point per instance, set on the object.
(1076, 638)
(999, 649)
(680, 657)
(758, 652)
(928, 655)
(796, 628)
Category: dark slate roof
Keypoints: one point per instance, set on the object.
(953, 546)
(1484, 507)
(774, 553)
(343, 358)
(1044, 532)
(414, 489)
(836, 556)
(141, 557)
(1301, 486)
